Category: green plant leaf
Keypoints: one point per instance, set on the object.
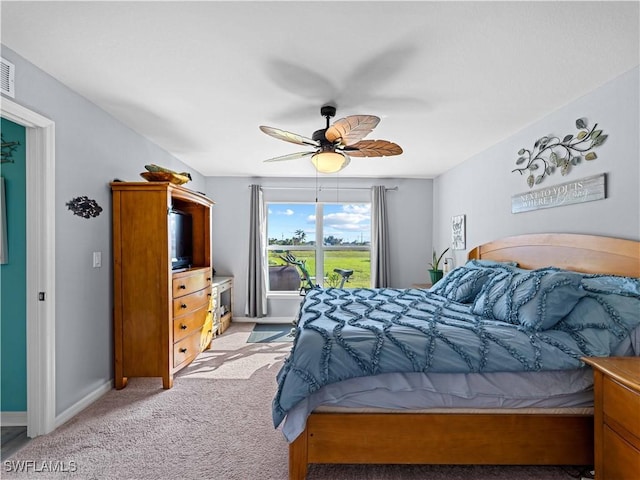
(539, 179)
(581, 123)
(567, 139)
(520, 160)
(590, 156)
(582, 134)
(530, 180)
(595, 134)
(521, 151)
(534, 166)
(565, 169)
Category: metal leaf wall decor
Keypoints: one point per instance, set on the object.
(550, 153)
(84, 207)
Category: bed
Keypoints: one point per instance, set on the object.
(464, 434)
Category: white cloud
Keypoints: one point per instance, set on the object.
(288, 212)
(364, 209)
(347, 222)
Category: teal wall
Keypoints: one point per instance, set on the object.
(13, 278)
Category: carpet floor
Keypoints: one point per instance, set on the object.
(215, 423)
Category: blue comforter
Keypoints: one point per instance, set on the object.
(347, 333)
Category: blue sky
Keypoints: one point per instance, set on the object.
(347, 221)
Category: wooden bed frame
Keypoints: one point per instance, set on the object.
(453, 438)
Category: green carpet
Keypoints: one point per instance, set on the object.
(266, 333)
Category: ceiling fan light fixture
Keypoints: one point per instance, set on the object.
(329, 162)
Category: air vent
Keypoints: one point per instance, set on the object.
(7, 74)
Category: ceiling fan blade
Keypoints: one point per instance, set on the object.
(373, 148)
(289, 137)
(290, 156)
(300, 80)
(352, 129)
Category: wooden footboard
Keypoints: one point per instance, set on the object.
(489, 439)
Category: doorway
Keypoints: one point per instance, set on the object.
(40, 270)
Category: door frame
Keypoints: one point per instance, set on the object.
(40, 178)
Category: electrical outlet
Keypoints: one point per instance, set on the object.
(97, 259)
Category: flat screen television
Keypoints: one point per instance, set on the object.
(180, 238)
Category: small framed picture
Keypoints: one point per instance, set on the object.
(458, 232)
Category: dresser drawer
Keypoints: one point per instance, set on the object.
(191, 302)
(621, 405)
(189, 347)
(189, 282)
(622, 459)
(186, 349)
(185, 325)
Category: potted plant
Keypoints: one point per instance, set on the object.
(435, 272)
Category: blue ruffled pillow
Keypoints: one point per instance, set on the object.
(462, 284)
(535, 299)
(611, 308)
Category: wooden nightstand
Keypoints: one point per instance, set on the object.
(617, 417)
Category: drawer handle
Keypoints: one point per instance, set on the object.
(183, 326)
(184, 305)
(182, 287)
(208, 279)
(183, 350)
(208, 294)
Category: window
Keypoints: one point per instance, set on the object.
(319, 237)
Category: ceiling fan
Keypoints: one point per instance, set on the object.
(335, 144)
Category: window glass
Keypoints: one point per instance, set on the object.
(307, 241)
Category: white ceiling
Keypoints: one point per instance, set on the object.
(448, 79)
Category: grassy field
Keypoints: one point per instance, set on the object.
(358, 261)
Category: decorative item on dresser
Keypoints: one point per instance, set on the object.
(163, 315)
(617, 417)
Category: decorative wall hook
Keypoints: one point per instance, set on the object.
(550, 153)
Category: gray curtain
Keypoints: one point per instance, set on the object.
(256, 279)
(380, 271)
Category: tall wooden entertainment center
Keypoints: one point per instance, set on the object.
(162, 318)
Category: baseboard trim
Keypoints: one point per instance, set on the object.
(83, 403)
(13, 419)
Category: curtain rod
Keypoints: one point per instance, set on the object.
(319, 189)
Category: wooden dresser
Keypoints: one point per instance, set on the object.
(162, 318)
(617, 417)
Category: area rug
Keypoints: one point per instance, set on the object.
(267, 333)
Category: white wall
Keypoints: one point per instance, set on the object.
(410, 217)
(482, 186)
(92, 148)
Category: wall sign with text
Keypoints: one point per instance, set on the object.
(578, 191)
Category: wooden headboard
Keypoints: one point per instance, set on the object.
(580, 253)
